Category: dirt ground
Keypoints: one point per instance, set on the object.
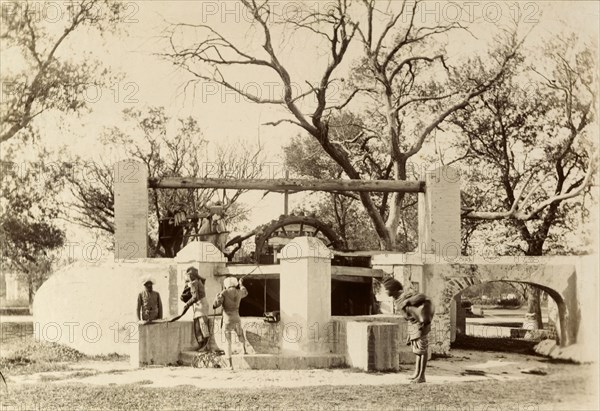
(462, 366)
(465, 381)
(53, 377)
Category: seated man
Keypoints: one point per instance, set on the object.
(149, 305)
(418, 311)
(230, 299)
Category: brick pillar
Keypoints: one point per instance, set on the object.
(305, 296)
(131, 210)
(439, 214)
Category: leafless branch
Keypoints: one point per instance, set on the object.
(519, 214)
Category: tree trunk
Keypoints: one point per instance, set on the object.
(399, 162)
(394, 215)
(342, 159)
(30, 292)
(534, 309)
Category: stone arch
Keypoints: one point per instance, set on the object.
(455, 285)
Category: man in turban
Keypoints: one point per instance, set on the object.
(418, 310)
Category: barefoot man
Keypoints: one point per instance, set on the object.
(200, 304)
(230, 299)
(418, 311)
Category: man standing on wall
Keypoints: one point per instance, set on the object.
(418, 310)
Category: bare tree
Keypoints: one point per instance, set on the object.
(94, 199)
(559, 116)
(389, 65)
(531, 149)
(400, 61)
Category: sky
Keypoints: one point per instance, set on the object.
(149, 80)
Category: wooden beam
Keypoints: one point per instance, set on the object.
(273, 270)
(283, 184)
(241, 270)
(369, 253)
(350, 278)
(340, 270)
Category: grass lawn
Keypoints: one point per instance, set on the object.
(531, 394)
(21, 354)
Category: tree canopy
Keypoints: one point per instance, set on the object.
(43, 77)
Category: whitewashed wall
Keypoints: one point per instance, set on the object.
(91, 306)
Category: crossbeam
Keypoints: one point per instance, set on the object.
(285, 184)
(274, 270)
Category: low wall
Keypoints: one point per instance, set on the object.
(261, 337)
(160, 343)
(372, 345)
(571, 280)
(91, 306)
(586, 309)
(339, 344)
(266, 338)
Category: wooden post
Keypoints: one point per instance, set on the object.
(286, 195)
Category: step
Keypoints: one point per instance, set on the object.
(201, 359)
(530, 334)
(265, 361)
(8, 311)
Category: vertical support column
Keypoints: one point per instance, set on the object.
(305, 296)
(439, 215)
(131, 210)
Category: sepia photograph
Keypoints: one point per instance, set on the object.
(299, 205)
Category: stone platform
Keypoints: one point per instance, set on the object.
(202, 359)
(370, 343)
(267, 361)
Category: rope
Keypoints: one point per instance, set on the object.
(253, 270)
(265, 287)
(3, 380)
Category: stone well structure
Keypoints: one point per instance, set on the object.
(307, 336)
(91, 306)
